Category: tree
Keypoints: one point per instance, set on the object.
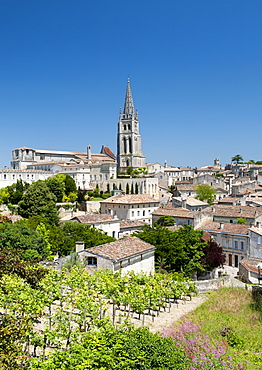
(56, 187)
(242, 221)
(136, 188)
(127, 188)
(214, 255)
(205, 193)
(132, 188)
(237, 158)
(16, 191)
(165, 221)
(182, 249)
(39, 201)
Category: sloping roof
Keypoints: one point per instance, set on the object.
(174, 212)
(191, 201)
(90, 219)
(234, 211)
(250, 264)
(106, 150)
(187, 187)
(226, 227)
(130, 199)
(121, 249)
(256, 230)
(129, 224)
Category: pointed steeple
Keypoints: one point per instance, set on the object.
(129, 105)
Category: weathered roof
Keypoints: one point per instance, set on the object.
(174, 212)
(129, 224)
(93, 218)
(130, 199)
(191, 201)
(256, 230)
(250, 264)
(121, 249)
(234, 211)
(227, 227)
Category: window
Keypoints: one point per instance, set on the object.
(242, 245)
(224, 243)
(13, 177)
(4, 176)
(133, 214)
(236, 244)
(144, 213)
(92, 261)
(138, 213)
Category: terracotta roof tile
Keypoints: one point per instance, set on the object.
(121, 249)
(234, 211)
(175, 212)
(90, 219)
(130, 199)
(226, 227)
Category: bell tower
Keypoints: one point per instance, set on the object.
(129, 149)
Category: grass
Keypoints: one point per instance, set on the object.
(231, 315)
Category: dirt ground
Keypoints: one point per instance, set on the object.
(165, 319)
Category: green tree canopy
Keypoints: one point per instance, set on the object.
(165, 221)
(56, 187)
(205, 193)
(237, 158)
(182, 250)
(39, 201)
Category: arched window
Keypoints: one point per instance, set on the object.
(125, 127)
(124, 145)
(130, 145)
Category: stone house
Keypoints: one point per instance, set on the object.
(231, 214)
(129, 227)
(128, 254)
(192, 204)
(109, 224)
(130, 207)
(234, 238)
(255, 247)
(183, 216)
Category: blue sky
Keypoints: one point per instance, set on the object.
(195, 70)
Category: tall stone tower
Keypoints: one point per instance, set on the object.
(129, 150)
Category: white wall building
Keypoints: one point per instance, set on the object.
(130, 207)
(128, 254)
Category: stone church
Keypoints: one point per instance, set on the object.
(129, 149)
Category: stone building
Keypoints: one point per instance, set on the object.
(130, 207)
(128, 254)
(129, 147)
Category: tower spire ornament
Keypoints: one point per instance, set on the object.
(129, 148)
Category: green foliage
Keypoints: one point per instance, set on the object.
(127, 188)
(132, 188)
(205, 193)
(16, 191)
(136, 188)
(21, 238)
(165, 221)
(237, 158)
(113, 349)
(4, 196)
(56, 187)
(219, 174)
(241, 221)
(38, 200)
(183, 248)
(229, 315)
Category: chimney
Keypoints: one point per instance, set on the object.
(240, 210)
(183, 203)
(221, 227)
(80, 246)
(89, 152)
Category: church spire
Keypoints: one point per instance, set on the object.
(129, 105)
